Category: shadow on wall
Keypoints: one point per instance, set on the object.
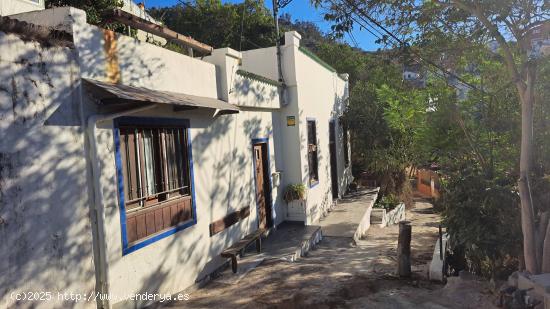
(260, 93)
(323, 156)
(338, 110)
(45, 232)
(44, 204)
(226, 189)
(117, 58)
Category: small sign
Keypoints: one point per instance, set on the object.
(290, 121)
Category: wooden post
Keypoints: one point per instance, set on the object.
(404, 249)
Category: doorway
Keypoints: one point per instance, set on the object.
(333, 160)
(263, 184)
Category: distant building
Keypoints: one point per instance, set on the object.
(540, 41)
(414, 75)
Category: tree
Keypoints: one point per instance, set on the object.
(511, 24)
(240, 26)
(93, 8)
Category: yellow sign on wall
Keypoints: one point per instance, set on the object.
(290, 121)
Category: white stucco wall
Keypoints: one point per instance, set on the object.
(313, 91)
(222, 154)
(50, 155)
(10, 7)
(247, 92)
(321, 97)
(287, 138)
(45, 230)
(144, 65)
(224, 183)
(59, 18)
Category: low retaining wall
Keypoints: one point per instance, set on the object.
(536, 287)
(395, 215)
(437, 264)
(385, 218)
(364, 224)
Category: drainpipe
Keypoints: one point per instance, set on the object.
(98, 209)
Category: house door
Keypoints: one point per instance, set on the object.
(263, 186)
(333, 161)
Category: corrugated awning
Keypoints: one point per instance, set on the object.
(111, 94)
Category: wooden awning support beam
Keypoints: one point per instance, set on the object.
(133, 21)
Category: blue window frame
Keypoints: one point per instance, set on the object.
(166, 203)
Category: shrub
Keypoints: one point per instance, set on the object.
(482, 219)
(387, 202)
(294, 192)
(407, 195)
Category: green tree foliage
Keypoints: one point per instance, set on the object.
(93, 8)
(483, 217)
(479, 200)
(240, 26)
(312, 36)
(443, 31)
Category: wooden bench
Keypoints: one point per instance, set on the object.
(238, 247)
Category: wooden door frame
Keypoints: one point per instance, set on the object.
(264, 143)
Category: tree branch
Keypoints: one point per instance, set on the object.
(508, 56)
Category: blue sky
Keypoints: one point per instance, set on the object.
(302, 10)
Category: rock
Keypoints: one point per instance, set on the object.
(541, 283)
(532, 298)
(466, 275)
(524, 281)
(513, 279)
(518, 297)
(497, 285)
(507, 289)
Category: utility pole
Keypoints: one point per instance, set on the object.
(278, 45)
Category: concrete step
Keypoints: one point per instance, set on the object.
(305, 246)
(290, 241)
(376, 216)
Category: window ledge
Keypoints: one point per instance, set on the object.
(313, 184)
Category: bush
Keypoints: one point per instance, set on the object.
(387, 202)
(483, 221)
(407, 195)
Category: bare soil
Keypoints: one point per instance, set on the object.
(342, 274)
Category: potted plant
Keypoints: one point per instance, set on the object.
(294, 196)
(294, 192)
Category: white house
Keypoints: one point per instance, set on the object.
(9, 7)
(118, 158)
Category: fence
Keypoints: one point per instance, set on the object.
(427, 183)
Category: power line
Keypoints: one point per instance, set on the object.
(353, 39)
(364, 15)
(435, 72)
(283, 3)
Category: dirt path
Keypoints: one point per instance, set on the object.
(381, 243)
(340, 274)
